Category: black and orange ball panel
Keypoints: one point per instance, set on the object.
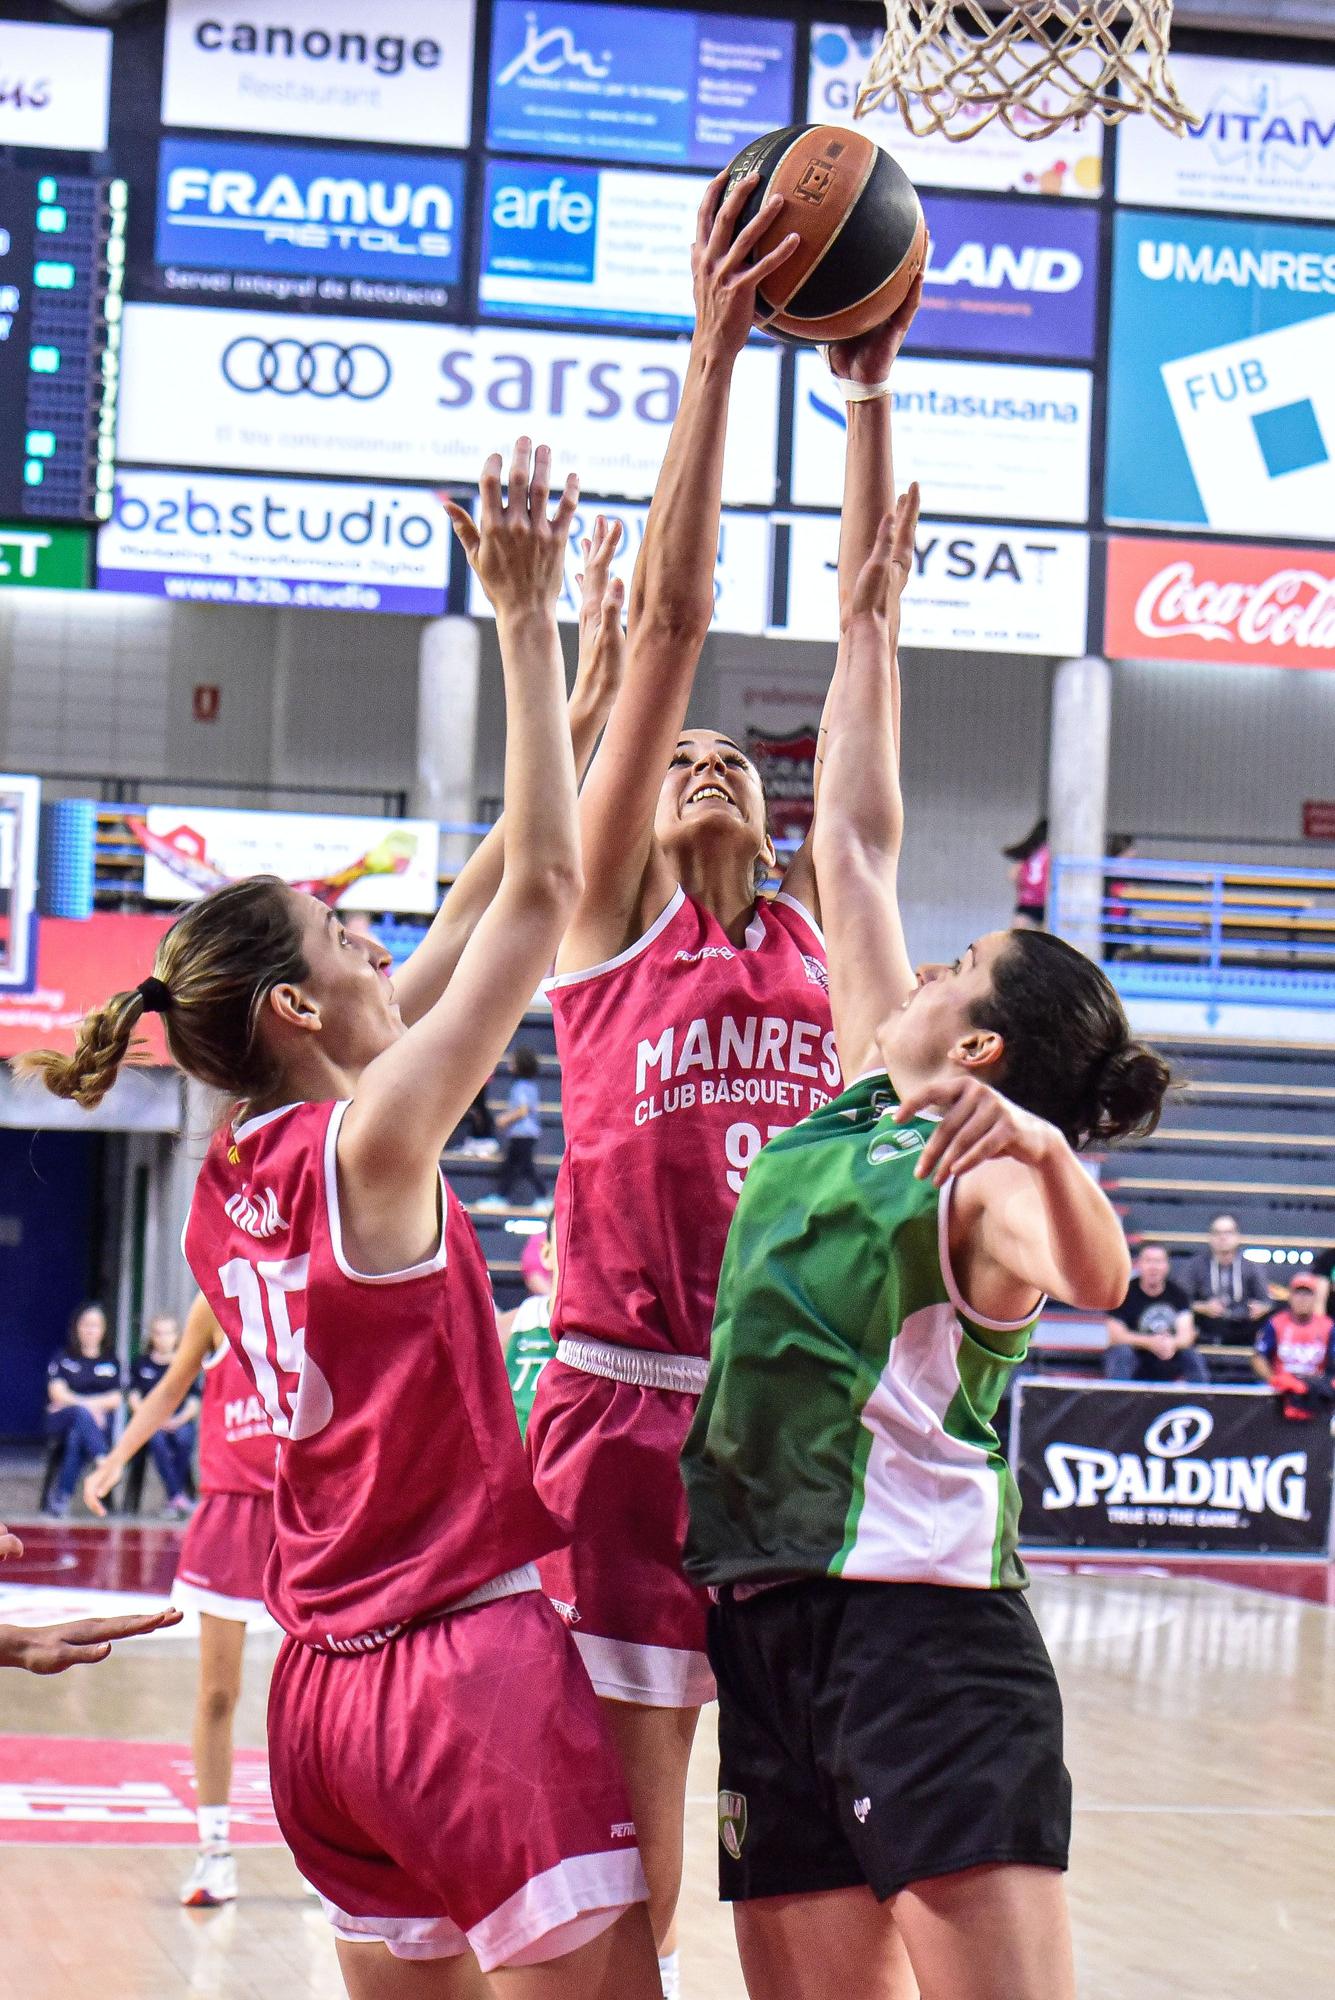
(863, 237)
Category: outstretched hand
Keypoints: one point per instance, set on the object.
(515, 549)
(726, 282)
(871, 356)
(53, 1649)
(602, 638)
(977, 1123)
(882, 579)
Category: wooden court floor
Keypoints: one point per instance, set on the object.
(1201, 1738)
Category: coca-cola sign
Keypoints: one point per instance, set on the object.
(1259, 607)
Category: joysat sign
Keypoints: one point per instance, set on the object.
(1259, 607)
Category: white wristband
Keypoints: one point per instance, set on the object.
(857, 392)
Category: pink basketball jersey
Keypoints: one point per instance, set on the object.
(401, 1483)
(237, 1450)
(678, 1060)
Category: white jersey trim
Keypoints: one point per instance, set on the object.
(947, 1272)
(436, 1262)
(576, 1887)
(791, 903)
(632, 951)
(249, 1126)
(653, 1676)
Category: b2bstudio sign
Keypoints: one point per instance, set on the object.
(54, 83)
(1154, 1469)
(399, 71)
(369, 229)
(377, 399)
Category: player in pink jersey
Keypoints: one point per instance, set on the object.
(692, 1021)
(221, 1569)
(439, 1764)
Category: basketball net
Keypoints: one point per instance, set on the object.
(954, 65)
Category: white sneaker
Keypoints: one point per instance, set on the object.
(211, 1881)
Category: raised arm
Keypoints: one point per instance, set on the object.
(859, 828)
(861, 370)
(198, 1338)
(626, 879)
(423, 977)
(410, 1097)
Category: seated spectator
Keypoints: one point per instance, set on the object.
(1298, 1341)
(475, 1134)
(172, 1449)
(1228, 1295)
(1151, 1336)
(83, 1400)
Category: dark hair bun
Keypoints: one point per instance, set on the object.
(1129, 1091)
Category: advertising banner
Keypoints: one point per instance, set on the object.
(741, 567)
(400, 72)
(76, 965)
(1221, 397)
(1009, 277)
(44, 558)
(1002, 441)
(579, 243)
(342, 859)
(361, 228)
(204, 539)
(1068, 162)
(635, 83)
(1178, 1467)
(397, 399)
(1262, 141)
(1220, 603)
(974, 589)
(54, 86)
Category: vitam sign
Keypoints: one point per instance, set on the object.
(1258, 607)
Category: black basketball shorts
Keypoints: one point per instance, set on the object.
(883, 1733)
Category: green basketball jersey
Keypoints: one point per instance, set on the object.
(531, 1345)
(847, 1425)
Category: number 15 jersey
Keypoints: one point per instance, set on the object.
(679, 1059)
(402, 1484)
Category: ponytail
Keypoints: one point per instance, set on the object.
(1068, 1054)
(106, 1039)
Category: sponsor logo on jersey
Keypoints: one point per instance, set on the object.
(816, 972)
(861, 1809)
(732, 1822)
(257, 1214)
(705, 951)
(622, 1829)
(565, 1611)
(894, 1145)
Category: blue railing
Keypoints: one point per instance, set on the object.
(1221, 931)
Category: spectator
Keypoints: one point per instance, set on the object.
(1323, 1270)
(1298, 1341)
(1031, 861)
(518, 1182)
(83, 1399)
(1151, 1336)
(526, 1333)
(475, 1134)
(1228, 1295)
(172, 1449)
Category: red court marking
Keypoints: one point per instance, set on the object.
(1314, 1582)
(89, 1791)
(96, 1557)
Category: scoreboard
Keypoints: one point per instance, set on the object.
(62, 267)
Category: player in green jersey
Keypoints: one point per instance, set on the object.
(894, 1813)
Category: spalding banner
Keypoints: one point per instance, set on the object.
(1118, 1466)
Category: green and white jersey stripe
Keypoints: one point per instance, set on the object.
(847, 1425)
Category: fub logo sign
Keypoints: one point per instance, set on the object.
(732, 1822)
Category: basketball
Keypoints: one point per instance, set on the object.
(863, 237)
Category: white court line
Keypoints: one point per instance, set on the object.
(1189, 1811)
